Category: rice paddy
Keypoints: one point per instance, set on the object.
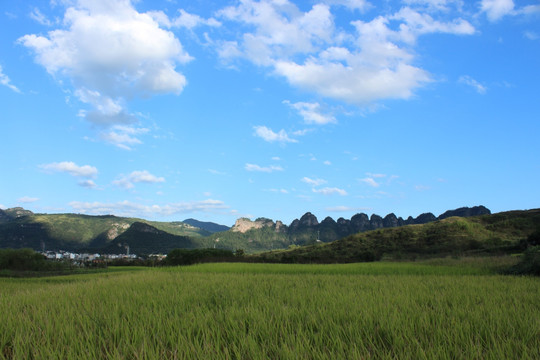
(274, 311)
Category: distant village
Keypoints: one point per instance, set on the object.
(85, 258)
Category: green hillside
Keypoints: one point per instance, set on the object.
(498, 233)
(146, 239)
(20, 229)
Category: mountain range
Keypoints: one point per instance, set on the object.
(21, 228)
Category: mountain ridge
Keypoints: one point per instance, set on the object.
(22, 228)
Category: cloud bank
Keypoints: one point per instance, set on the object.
(140, 61)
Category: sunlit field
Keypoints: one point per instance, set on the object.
(430, 310)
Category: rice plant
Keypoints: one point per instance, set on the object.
(264, 311)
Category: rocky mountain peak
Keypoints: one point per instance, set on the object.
(243, 225)
(18, 212)
(308, 220)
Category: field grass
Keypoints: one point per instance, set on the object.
(450, 309)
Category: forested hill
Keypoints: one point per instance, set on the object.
(265, 234)
(501, 233)
(206, 225)
(20, 228)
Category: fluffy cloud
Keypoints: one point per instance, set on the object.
(123, 136)
(281, 30)
(88, 184)
(313, 182)
(435, 5)
(374, 62)
(110, 52)
(129, 181)
(311, 112)
(266, 169)
(496, 9)
(183, 20)
(4, 80)
(71, 168)
(270, 136)
(131, 209)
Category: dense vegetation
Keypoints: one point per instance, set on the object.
(488, 234)
(190, 257)
(27, 260)
(452, 310)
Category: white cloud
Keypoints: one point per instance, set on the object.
(267, 169)
(467, 80)
(128, 182)
(110, 52)
(183, 20)
(529, 10)
(371, 64)
(435, 5)
(216, 172)
(27, 199)
(280, 191)
(330, 191)
(131, 209)
(270, 136)
(280, 29)
(123, 136)
(71, 168)
(40, 18)
(376, 175)
(4, 80)
(313, 182)
(416, 23)
(311, 112)
(496, 9)
(88, 184)
(370, 181)
(531, 35)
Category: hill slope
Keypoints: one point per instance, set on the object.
(502, 232)
(21, 228)
(205, 225)
(142, 238)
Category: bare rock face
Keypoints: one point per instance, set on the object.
(466, 212)
(425, 218)
(116, 229)
(359, 223)
(243, 225)
(390, 220)
(308, 220)
(376, 221)
(343, 226)
(280, 227)
(18, 212)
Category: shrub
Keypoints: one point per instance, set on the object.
(529, 264)
(189, 257)
(25, 260)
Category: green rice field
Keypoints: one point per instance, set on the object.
(425, 310)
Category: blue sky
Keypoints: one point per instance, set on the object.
(166, 110)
